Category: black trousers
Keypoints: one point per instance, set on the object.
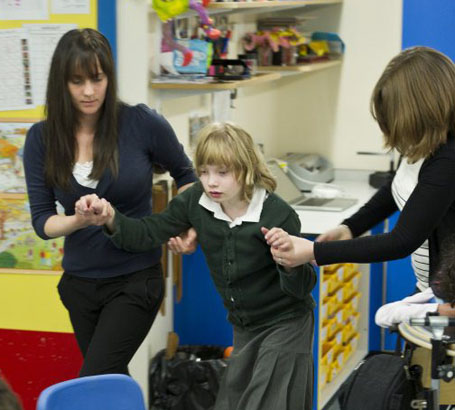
(111, 317)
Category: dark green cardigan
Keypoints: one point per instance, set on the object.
(254, 289)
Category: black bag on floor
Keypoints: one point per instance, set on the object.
(188, 381)
(382, 381)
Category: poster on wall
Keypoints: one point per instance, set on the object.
(24, 10)
(43, 39)
(20, 247)
(12, 138)
(16, 91)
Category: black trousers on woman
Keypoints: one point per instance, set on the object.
(111, 317)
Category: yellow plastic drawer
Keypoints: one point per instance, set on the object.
(329, 306)
(347, 333)
(342, 355)
(344, 313)
(355, 280)
(355, 320)
(354, 301)
(325, 373)
(354, 342)
(328, 329)
(344, 271)
(345, 292)
(338, 336)
(329, 285)
(335, 369)
(327, 352)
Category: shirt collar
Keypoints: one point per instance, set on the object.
(253, 213)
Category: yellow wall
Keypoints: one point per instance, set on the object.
(31, 302)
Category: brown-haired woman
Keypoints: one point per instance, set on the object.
(90, 142)
(414, 105)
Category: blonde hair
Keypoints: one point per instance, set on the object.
(414, 102)
(228, 145)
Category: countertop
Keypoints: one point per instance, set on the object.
(354, 184)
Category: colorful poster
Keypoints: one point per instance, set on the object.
(20, 247)
(12, 138)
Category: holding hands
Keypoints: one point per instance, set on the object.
(291, 251)
(93, 210)
(287, 250)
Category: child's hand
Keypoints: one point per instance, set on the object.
(287, 250)
(185, 243)
(277, 238)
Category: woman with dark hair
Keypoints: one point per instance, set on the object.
(414, 105)
(90, 142)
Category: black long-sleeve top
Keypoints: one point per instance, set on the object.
(429, 213)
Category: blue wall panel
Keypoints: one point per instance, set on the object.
(200, 317)
(107, 23)
(429, 23)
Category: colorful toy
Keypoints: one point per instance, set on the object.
(168, 9)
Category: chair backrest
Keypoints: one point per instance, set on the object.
(103, 392)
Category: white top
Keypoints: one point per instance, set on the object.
(403, 185)
(81, 172)
(253, 213)
(414, 306)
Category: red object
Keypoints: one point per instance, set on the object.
(214, 33)
(187, 57)
(31, 361)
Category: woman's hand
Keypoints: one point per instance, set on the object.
(185, 243)
(287, 250)
(339, 233)
(91, 210)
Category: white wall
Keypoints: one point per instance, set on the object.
(328, 111)
(325, 112)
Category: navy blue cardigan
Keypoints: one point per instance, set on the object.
(144, 138)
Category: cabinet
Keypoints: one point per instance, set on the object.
(341, 326)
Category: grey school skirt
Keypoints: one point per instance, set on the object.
(270, 369)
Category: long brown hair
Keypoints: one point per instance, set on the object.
(226, 144)
(414, 102)
(79, 51)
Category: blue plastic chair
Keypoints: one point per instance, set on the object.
(103, 392)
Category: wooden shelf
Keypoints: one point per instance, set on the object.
(271, 3)
(303, 68)
(227, 85)
(254, 6)
(266, 74)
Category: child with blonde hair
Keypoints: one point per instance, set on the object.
(270, 307)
